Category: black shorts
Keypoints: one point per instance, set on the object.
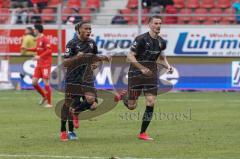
(139, 83)
(75, 92)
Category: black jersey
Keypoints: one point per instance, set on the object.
(147, 50)
(82, 73)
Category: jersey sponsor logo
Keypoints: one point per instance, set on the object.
(67, 52)
(91, 45)
(236, 74)
(196, 44)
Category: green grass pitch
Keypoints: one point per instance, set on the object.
(186, 125)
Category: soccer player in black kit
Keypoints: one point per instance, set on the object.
(146, 52)
(80, 60)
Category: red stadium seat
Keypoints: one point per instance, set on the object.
(223, 4)
(207, 4)
(66, 13)
(54, 3)
(48, 15)
(215, 18)
(179, 4)
(144, 17)
(132, 4)
(5, 15)
(192, 4)
(199, 15)
(74, 3)
(125, 13)
(233, 1)
(5, 4)
(93, 4)
(170, 19)
(184, 18)
(193, 22)
(208, 22)
(86, 14)
(231, 16)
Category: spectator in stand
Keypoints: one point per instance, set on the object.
(19, 3)
(74, 19)
(236, 6)
(19, 15)
(146, 3)
(118, 19)
(19, 11)
(157, 6)
(33, 18)
(39, 5)
(165, 3)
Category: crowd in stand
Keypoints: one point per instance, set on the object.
(180, 11)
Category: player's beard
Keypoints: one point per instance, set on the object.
(157, 31)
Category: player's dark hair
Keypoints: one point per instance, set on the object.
(80, 24)
(39, 27)
(31, 30)
(154, 17)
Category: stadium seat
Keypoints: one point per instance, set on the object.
(53, 3)
(182, 19)
(132, 4)
(193, 22)
(66, 13)
(215, 18)
(207, 4)
(170, 19)
(231, 16)
(5, 4)
(223, 4)
(74, 3)
(93, 4)
(193, 4)
(48, 15)
(125, 13)
(5, 15)
(135, 18)
(208, 22)
(199, 15)
(179, 4)
(85, 13)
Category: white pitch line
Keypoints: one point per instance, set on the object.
(81, 157)
(49, 156)
(68, 157)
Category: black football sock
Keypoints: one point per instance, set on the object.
(64, 114)
(63, 125)
(70, 125)
(147, 117)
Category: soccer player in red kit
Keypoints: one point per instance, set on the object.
(44, 62)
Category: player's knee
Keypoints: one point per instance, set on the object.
(151, 100)
(132, 106)
(90, 97)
